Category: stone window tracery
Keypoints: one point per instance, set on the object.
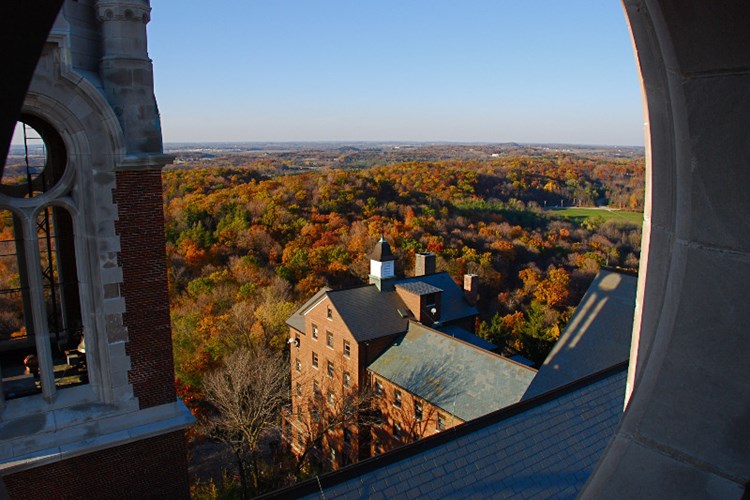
(41, 322)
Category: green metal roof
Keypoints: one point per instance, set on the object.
(459, 378)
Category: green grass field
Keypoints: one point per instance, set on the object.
(580, 214)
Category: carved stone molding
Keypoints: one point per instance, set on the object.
(123, 11)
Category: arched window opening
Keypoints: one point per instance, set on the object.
(41, 328)
(40, 166)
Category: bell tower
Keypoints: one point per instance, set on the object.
(88, 407)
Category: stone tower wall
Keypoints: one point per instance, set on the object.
(120, 435)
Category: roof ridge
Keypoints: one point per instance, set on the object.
(353, 287)
(476, 347)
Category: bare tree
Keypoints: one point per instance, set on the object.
(247, 394)
(336, 407)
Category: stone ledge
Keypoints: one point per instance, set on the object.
(105, 428)
(144, 162)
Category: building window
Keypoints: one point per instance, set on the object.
(315, 360)
(296, 340)
(330, 369)
(347, 436)
(299, 413)
(396, 398)
(329, 339)
(440, 422)
(396, 430)
(418, 411)
(298, 389)
(347, 379)
(329, 313)
(331, 397)
(301, 440)
(347, 349)
(315, 331)
(378, 388)
(316, 390)
(297, 365)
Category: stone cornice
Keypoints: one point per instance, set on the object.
(108, 10)
(144, 162)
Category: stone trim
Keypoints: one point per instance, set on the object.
(78, 430)
(123, 11)
(143, 162)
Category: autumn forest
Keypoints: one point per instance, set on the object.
(249, 240)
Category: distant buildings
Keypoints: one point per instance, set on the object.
(380, 365)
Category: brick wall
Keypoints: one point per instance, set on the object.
(355, 364)
(141, 229)
(412, 428)
(150, 468)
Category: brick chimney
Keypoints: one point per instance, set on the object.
(471, 288)
(424, 264)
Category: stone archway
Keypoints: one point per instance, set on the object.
(686, 430)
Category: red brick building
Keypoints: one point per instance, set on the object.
(336, 337)
(427, 381)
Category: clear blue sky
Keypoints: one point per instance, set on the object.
(406, 70)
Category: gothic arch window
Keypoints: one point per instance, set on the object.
(41, 328)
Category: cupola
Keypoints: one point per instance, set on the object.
(381, 263)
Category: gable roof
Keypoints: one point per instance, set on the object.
(596, 337)
(297, 319)
(544, 447)
(459, 378)
(369, 313)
